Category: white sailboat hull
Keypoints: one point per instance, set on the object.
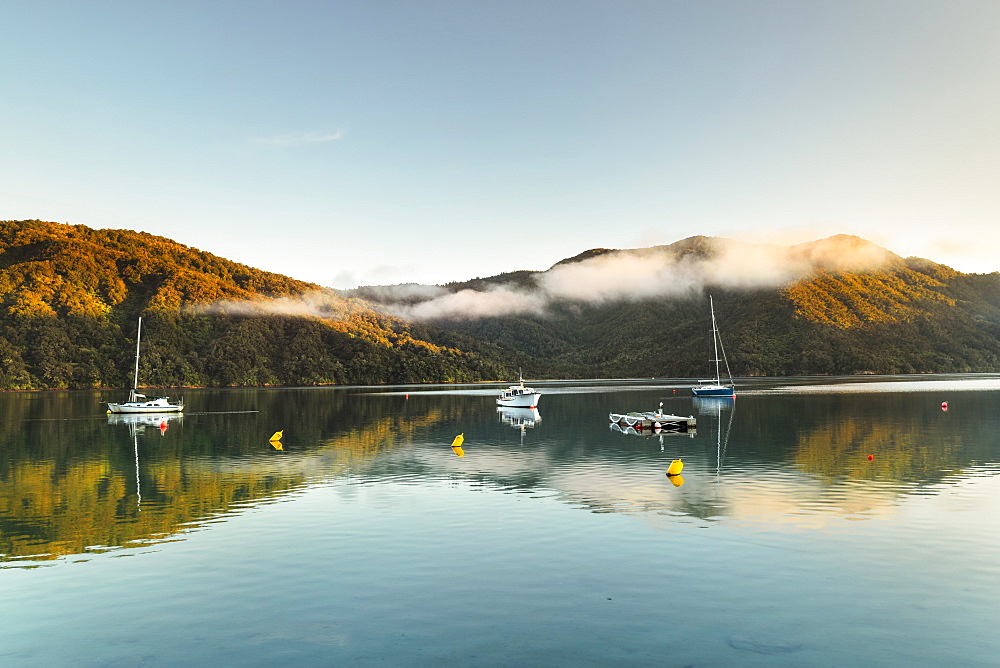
(155, 406)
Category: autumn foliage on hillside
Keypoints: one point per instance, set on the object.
(885, 317)
(70, 297)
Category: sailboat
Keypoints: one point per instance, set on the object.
(714, 387)
(140, 403)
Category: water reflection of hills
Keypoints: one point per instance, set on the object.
(70, 478)
(910, 438)
(69, 486)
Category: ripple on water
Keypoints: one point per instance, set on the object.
(383, 548)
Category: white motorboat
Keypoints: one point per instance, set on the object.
(519, 396)
(140, 403)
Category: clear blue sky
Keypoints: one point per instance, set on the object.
(349, 142)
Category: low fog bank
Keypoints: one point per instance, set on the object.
(633, 275)
(684, 269)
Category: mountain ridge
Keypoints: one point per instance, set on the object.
(838, 305)
(69, 297)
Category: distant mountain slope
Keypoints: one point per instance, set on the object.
(70, 297)
(53, 269)
(834, 306)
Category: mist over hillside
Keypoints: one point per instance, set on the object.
(839, 305)
(600, 276)
(70, 296)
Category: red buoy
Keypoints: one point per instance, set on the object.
(871, 458)
(944, 405)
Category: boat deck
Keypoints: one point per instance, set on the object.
(654, 422)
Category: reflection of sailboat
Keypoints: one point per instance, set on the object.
(142, 420)
(137, 424)
(134, 426)
(140, 403)
(715, 387)
(714, 406)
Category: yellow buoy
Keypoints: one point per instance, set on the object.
(456, 445)
(675, 467)
(277, 436)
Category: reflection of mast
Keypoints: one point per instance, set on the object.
(714, 406)
(135, 443)
(137, 424)
(720, 444)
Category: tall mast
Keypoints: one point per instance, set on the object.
(138, 335)
(715, 342)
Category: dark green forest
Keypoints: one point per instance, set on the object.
(905, 316)
(70, 297)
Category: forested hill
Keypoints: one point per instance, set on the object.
(70, 297)
(835, 306)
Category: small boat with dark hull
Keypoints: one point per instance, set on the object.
(715, 387)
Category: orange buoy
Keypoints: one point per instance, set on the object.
(871, 457)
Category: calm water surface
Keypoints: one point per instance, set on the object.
(554, 540)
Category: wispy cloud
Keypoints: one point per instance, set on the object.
(319, 303)
(300, 139)
(473, 304)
